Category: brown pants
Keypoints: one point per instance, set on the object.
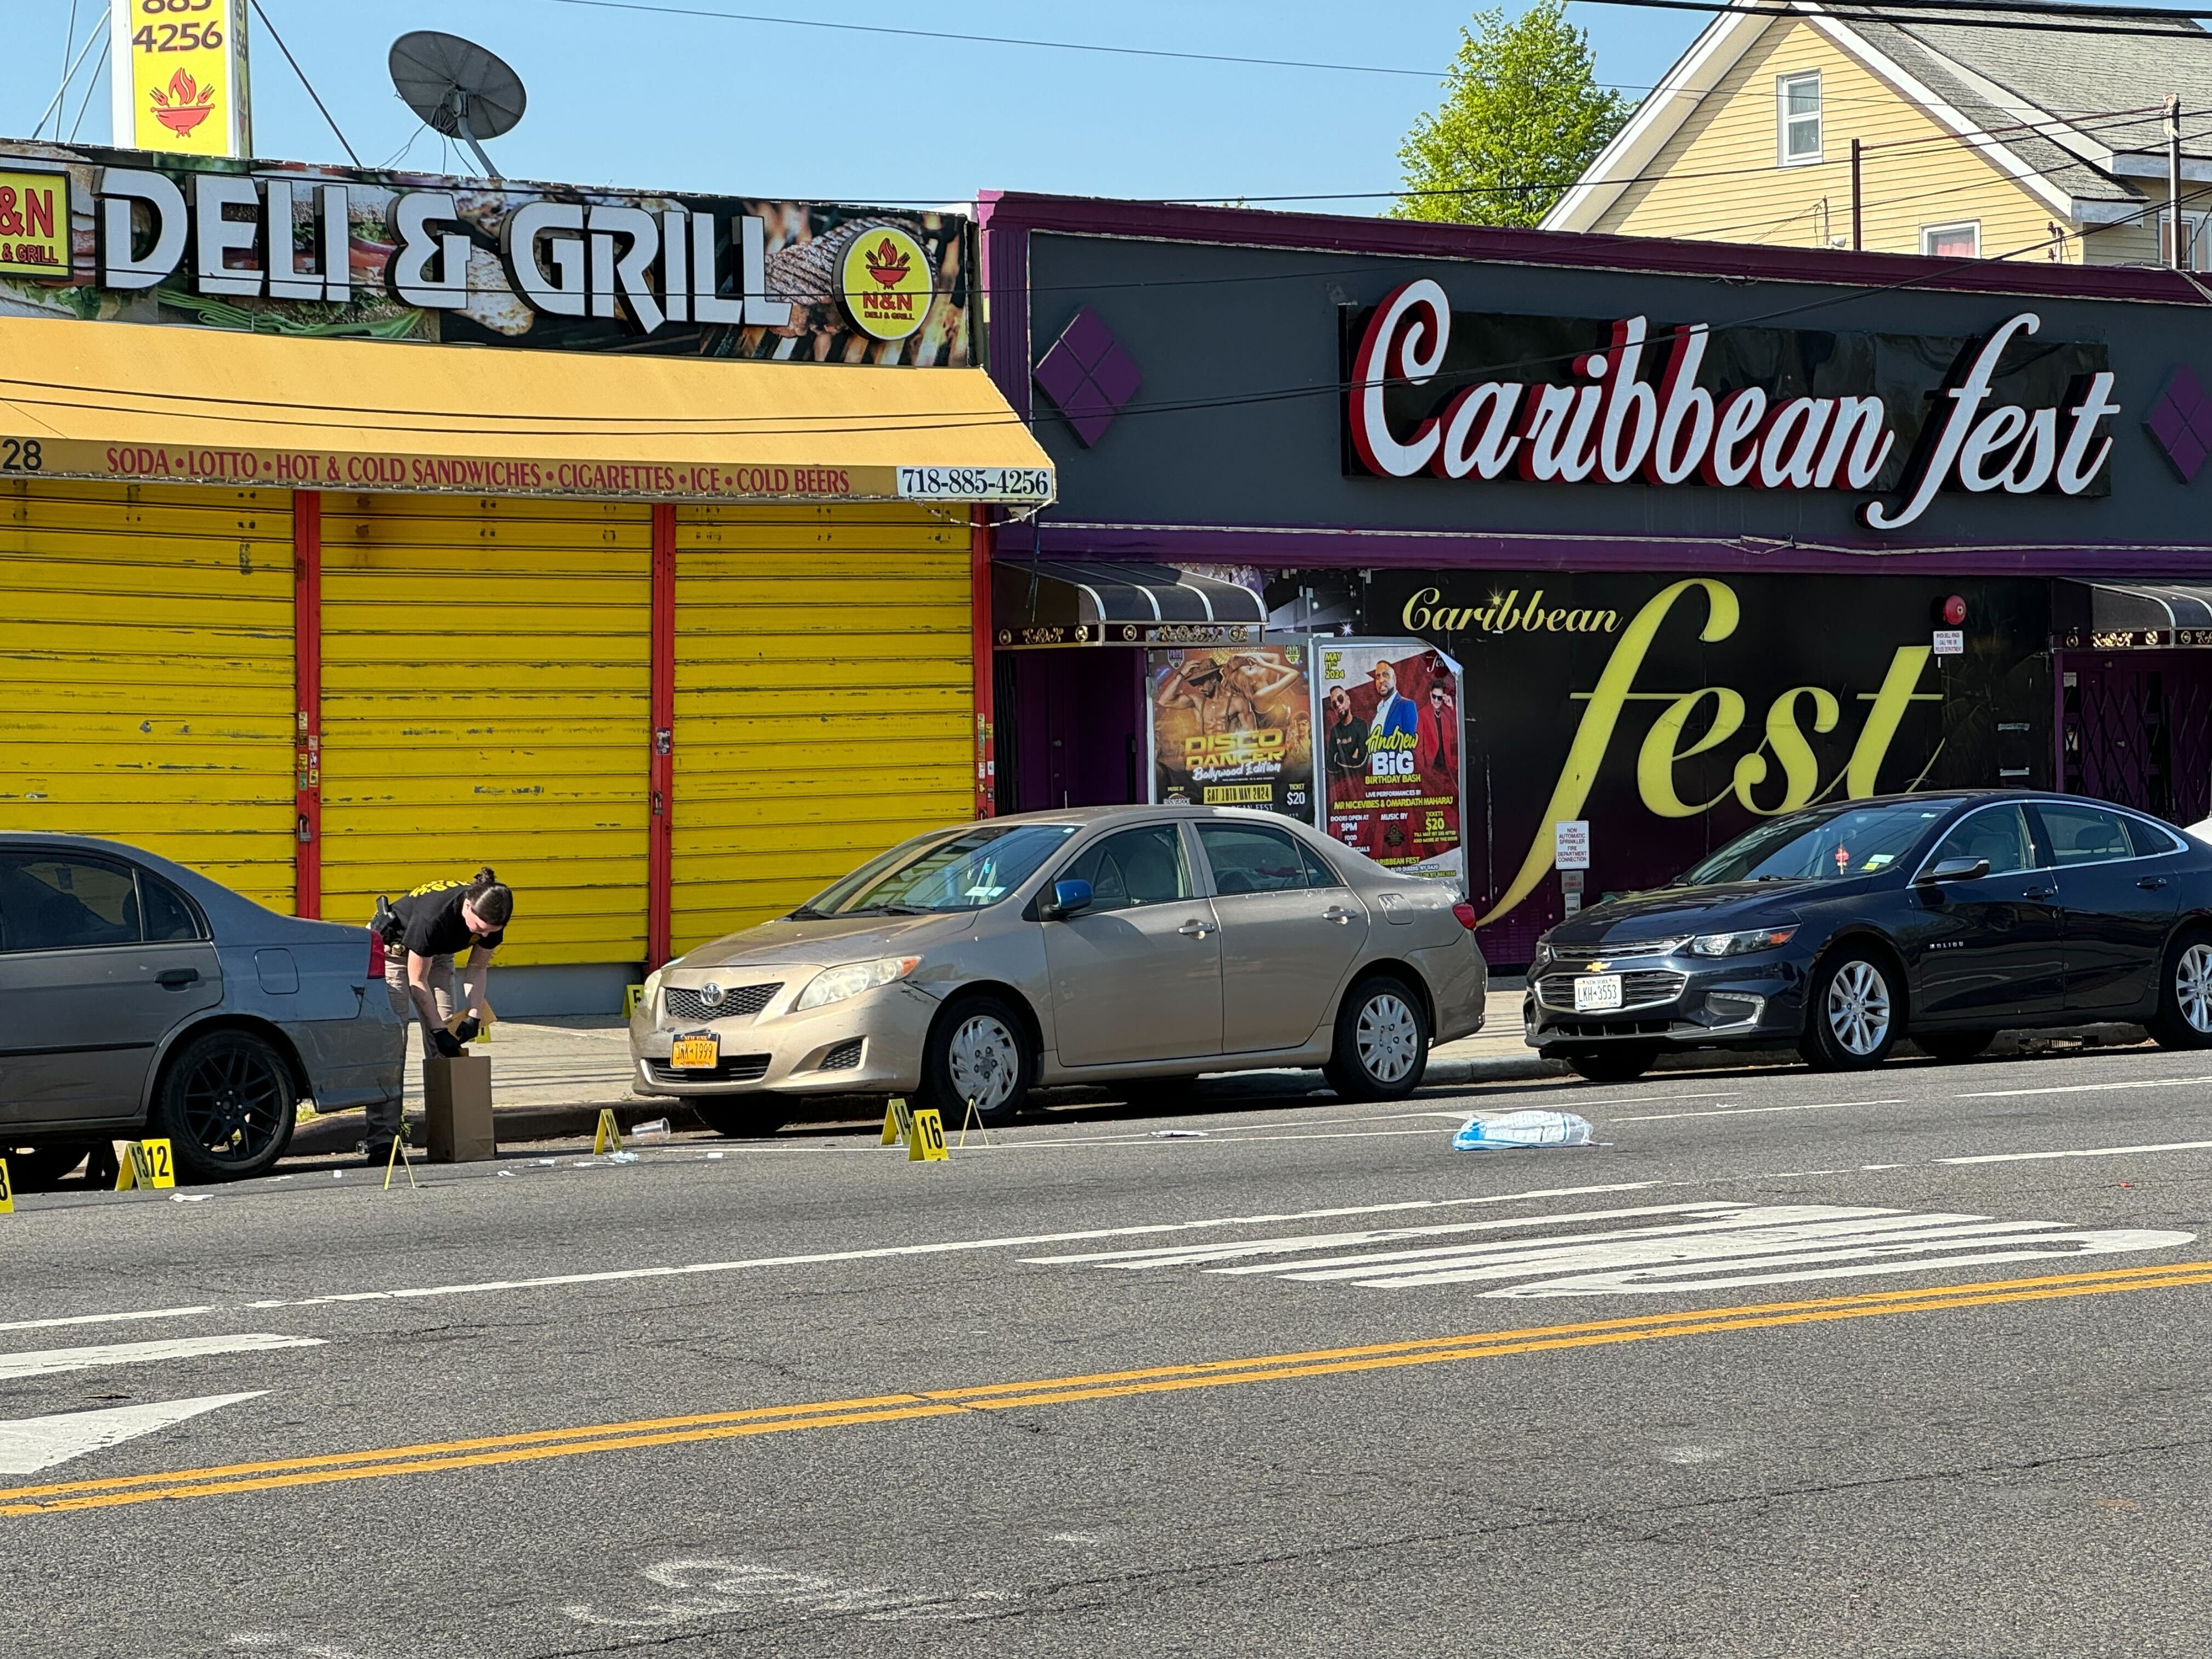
(384, 1119)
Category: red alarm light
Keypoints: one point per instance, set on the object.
(1954, 611)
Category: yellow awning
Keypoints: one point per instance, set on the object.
(199, 405)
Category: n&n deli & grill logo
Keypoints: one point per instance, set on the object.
(886, 283)
(34, 225)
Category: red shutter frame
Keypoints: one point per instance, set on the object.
(307, 702)
(660, 862)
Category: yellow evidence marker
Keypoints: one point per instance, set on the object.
(151, 1164)
(632, 996)
(898, 1123)
(927, 1145)
(7, 1190)
(609, 1137)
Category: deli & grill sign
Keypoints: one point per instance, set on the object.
(612, 261)
(1897, 419)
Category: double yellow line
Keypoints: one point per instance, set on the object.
(484, 1453)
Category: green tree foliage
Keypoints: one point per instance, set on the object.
(1523, 115)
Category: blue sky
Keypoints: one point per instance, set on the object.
(653, 100)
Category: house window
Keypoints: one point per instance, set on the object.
(1797, 118)
(1952, 241)
(2195, 246)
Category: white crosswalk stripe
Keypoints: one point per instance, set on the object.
(1680, 1247)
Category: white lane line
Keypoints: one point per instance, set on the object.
(46, 1362)
(28, 1444)
(2087, 1087)
(2082, 1152)
(104, 1319)
(1750, 1111)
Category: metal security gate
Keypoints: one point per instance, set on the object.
(487, 700)
(146, 673)
(824, 700)
(2136, 728)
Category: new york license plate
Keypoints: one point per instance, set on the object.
(695, 1053)
(1595, 994)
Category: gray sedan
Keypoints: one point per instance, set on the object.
(137, 996)
(1134, 946)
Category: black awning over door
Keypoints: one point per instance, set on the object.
(1058, 602)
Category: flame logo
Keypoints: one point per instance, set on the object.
(185, 105)
(889, 263)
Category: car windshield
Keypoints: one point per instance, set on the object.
(1822, 846)
(932, 873)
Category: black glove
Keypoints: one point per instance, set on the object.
(447, 1043)
(468, 1029)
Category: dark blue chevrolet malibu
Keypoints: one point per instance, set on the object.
(1842, 929)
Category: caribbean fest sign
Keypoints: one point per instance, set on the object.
(1674, 712)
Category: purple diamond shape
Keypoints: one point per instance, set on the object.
(2180, 420)
(1088, 338)
(1060, 374)
(1088, 376)
(1115, 375)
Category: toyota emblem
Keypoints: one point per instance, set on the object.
(711, 994)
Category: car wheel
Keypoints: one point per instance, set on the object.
(1952, 1046)
(2183, 1019)
(1382, 1047)
(1622, 1063)
(38, 1168)
(979, 1050)
(750, 1119)
(225, 1105)
(1851, 1017)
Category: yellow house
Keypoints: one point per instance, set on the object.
(1800, 124)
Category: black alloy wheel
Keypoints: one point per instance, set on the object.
(753, 1117)
(1853, 1012)
(38, 1169)
(979, 1052)
(1381, 1051)
(227, 1106)
(1952, 1046)
(2183, 1019)
(1621, 1062)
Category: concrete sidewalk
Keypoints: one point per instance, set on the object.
(551, 1077)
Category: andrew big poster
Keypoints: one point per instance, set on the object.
(1390, 734)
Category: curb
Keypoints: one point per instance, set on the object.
(336, 1135)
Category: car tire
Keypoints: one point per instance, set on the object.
(979, 1048)
(1953, 1048)
(40, 1168)
(1381, 1049)
(1617, 1063)
(2183, 1019)
(227, 1104)
(749, 1119)
(1852, 1016)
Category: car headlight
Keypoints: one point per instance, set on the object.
(649, 998)
(1741, 945)
(836, 984)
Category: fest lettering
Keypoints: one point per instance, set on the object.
(1610, 424)
(1668, 744)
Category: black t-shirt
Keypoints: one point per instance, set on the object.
(430, 922)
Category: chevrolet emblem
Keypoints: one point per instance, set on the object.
(1597, 967)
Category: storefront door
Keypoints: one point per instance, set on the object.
(2138, 730)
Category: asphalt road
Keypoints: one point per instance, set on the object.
(1909, 1362)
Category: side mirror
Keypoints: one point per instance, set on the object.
(1067, 898)
(1952, 870)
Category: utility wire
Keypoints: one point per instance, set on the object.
(91, 86)
(1890, 11)
(260, 12)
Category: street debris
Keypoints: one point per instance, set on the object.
(1527, 1129)
(1179, 1134)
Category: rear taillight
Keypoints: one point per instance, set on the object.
(1466, 915)
(375, 956)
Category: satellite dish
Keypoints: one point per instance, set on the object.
(458, 88)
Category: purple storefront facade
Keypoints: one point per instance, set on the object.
(1677, 536)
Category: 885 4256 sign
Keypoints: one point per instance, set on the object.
(1894, 419)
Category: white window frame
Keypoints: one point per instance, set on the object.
(1783, 121)
(1930, 234)
(2198, 253)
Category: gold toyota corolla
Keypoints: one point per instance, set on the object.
(1111, 944)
